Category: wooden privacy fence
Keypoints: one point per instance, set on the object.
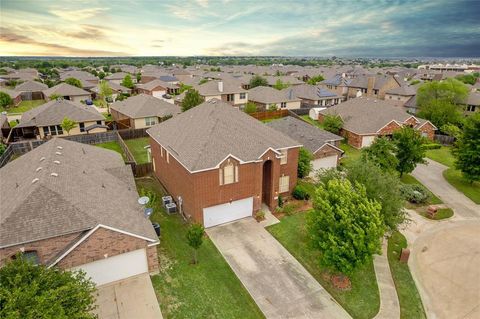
(444, 139)
(269, 115)
(133, 133)
(140, 170)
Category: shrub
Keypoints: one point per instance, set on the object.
(260, 215)
(414, 193)
(280, 201)
(300, 192)
(431, 146)
(332, 123)
(289, 209)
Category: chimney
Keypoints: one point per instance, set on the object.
(220, 86)
(370, 85)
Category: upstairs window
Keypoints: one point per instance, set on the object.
(228, 174)
(82, 127)
(283, 157)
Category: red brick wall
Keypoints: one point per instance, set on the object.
(429, 129)
(390, 128)
(326, 151)
(46, 248)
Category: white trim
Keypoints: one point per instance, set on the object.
(426, 123)
(90, 233)
(338, 149)
(399, 124)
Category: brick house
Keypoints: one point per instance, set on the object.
(68, 92)
(74, 206)
(16, 96)
(158, 88)
(229, 91)
(324, 146)
(374, 86)
(222, 164)
(364, 119)
(265, 96)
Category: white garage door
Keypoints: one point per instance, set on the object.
(158, 94)
(367, 140)
(117, 267)
(228, 212)
(325, 162)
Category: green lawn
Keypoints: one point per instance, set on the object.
(209, 289)
(442, 155)
(455, 178)
(410, 302)
(351, 154)
(442, 213)
(432, 199)
(114, 146)
(362, 301)
(137, 148)
(23, 106)
(313, 122)
(108, 117)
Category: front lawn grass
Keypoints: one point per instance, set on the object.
(351, 154)
(24, 106)
(442, 155)
(455, 178)
(410, 302)
(137, 148)
(442, 213)
(432, 199)
(114, 146)
(209, 289)
(362, 301)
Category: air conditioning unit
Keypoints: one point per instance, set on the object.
(166, 200)
(171, 208)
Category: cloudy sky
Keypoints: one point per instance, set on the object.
(432, 28)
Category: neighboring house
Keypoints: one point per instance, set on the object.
(118, 77)
(265, 96)
(473, 102)
(322, 144)
(4, 127)
(142, 111)
(220, 164)
(285, 79)
(374, 86)
(400, 95)
(230, 92)
(364, 119)
(74, 206)
(14, 95)
(31, 90)
(337, 84)
(313, 95)
(158, 88)
(68, 92)
(45, 120)
(117, 89)
(158, 75)
(86, 78)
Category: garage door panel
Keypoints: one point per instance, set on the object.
(158, 94)
(368, 140)
(224, 213)
(117, 267)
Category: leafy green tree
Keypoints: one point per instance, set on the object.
(467, 150)
(381, 153)
(315, 79)
(55, 96)
(257, 80)
(139, 77)
(441, 113)
(414, 82)
(409, 149)
(250, 107)
(345, 225)
(332, 123)
(202, 81)
(101, 75)
(451, 130)
(127, 81)
(34, 291)
(468, 78)
(68, 125)
(184, 87)
(304, 162)
(105, 91)
(192, 98)
(74, 82)
(279, 85)
(3, 148)
(5, 100)
(195, 239)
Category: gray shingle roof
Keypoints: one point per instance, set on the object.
(309, 92)
(31, 86)
(211, 88)
(144, 105)
(53, 113)
(65, 89)
(81, 75)
(337, 80)
(403, 90)
(12, 93)
(153, 84)
(473, 98)
(205, 135)
(380, 81)
(364, 115)
(93, 186)
(310, 136)
(117, 76)
(266, 95)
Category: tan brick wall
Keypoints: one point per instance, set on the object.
(46, 248)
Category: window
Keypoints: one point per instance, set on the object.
(471, 108)
(149, 121)
(283, 158)
(45, 130)
(29, 255)
(283, 105)
(230, 97)
(424, 134)
(243, 96)
(53, 130)
(82, 127)
(228, 174)
(375, 92)
(59, 130)
(99, 122)
(284, 184)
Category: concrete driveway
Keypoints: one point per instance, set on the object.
(431, 176)
(131, 298)
(446, 260)
(278, 283)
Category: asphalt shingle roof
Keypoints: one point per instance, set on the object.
(31, 86)
(143, 105)
(266, 95)
(65, 89)
(309, 92)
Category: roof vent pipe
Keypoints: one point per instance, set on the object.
(220, 86)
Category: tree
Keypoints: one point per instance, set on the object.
(345, 225)
(279, 85)
(74, 82)
(381, 153)
(451, 130)
(184, 87)
(195, 239)
(5, 100)
(55, 96)
(203, 81)
(35, 291)
(441, 113)
(257, 80)
(468, 78)
(105, 91)
(272, 107)
(101, 75)
(139, 77)
(68, 125)
(192, 98)
(467, 150)
(409, 149)
(127, 81)
(332, 123)
(250, 107)
(314, 80)
(3, 148)
(304, 162)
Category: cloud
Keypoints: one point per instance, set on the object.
(87, 32)
(72, 14)
(8, 36)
